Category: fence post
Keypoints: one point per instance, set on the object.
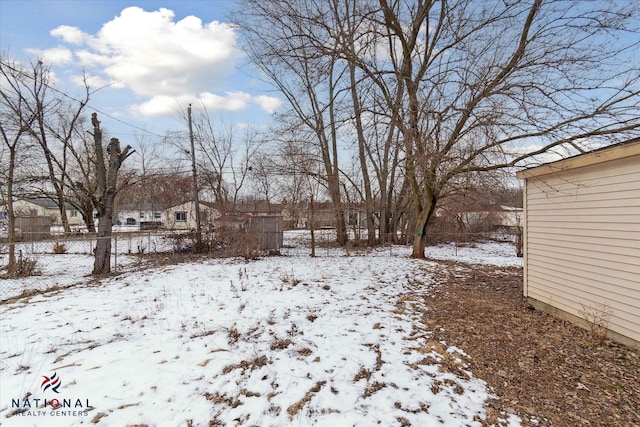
(115, 258)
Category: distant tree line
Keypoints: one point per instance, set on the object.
(399, 106)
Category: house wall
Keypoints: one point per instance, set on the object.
(208, 216)
(138, 216)
(582, 243)
(28, 209)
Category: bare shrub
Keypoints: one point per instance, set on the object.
(519, 242)
(281, 344)
(59, 248)
(244, 279)
(233, 335)
(363, 373)
(289, 279)
(180, 242)
(234, 242)
(597, 317)
(23, 267)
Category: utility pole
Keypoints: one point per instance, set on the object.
(196, 198)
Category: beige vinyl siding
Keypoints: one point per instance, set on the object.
(582, 240)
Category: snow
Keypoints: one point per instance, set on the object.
(336, 340)
(501, 254)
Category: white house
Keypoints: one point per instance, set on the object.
(183, 216)
(582, 239)
(46, 207)
(138, 218)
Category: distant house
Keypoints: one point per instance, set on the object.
(259, 208)
(138, 217)
(356, 215)
(183, 216)
(498, 217)
(582, 239)
(324, 215)
(232, 221)
(43, 207)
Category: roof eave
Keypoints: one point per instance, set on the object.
(614, 152)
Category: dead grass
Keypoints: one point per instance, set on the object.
(253, 364)
(548, 371)
(373, 388)
(362, 374)
(281, 344)
(217, 398)
(306, 351)
(296, 407)
(96, 419)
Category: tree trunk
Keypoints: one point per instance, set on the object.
(63, 210)
(423, 215)
(312, 225)
(86, 211)
(102, 260)
(107, 190)
(342, 235)
(11, 217)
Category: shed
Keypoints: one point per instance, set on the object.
(582, 239)
(33, 228)
(267, 230)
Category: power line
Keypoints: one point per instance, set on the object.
(24, 74)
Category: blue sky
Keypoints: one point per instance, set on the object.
(149, 56)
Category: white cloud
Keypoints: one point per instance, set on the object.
(162, 59)
(53, 56)
(229, 102)
(161, 105)
(232, 101)
(70, 34)
(268, 103)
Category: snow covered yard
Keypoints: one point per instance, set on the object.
(335, 340)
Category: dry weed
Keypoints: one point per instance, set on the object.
(363, 374)
(253, 364)
(373, 388)
(296, 407)
(218, 398)
(597, 317)
(281, 344)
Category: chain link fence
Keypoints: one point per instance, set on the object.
(67, 260)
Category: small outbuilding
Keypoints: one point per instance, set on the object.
(266, 231)
(582, 239)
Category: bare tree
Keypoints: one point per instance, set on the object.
(52, 130)
(305, 184)
(483, 79)
(81, 181)
(56, 128)
(242, 165)
(464, 86)
(263, 179)
(15, 125)
(151, 186)
(290, 164)
(223, 157)
(107, 179)
(283, 40)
